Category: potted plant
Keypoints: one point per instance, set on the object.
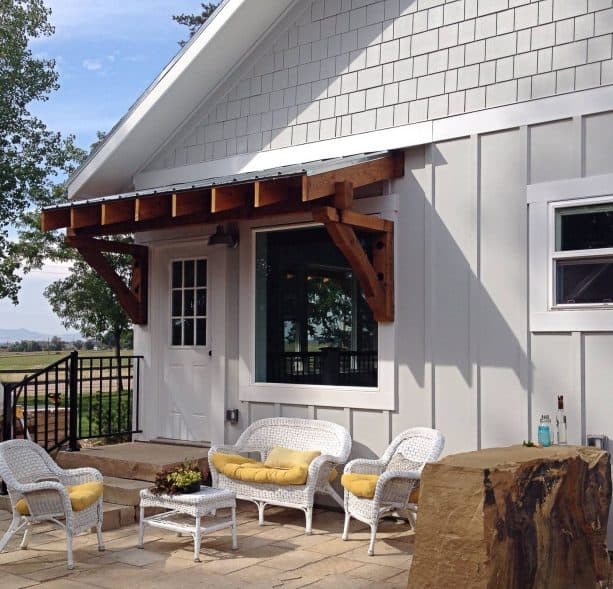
(173, 480)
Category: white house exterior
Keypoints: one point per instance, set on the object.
(504, 110)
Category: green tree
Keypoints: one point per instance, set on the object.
(31, 155)
(194, 21)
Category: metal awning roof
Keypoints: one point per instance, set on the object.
(291, 188)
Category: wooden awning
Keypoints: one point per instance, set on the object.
(323, 188)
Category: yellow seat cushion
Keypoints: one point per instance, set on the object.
(81, 497)
(258, 472)
(364, 485)
(361, 485)
(280, 457)
(220, 459)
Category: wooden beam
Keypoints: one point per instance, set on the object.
(152, 207)
(190, 203)
(383, 264)
(269, 192)
(343, 195)
(133, 300)
(234, 196)
(345, 239)
(54, 219)
(370, 223)
(383, 168)
(117, 211)
(104, 245)
(84, 216)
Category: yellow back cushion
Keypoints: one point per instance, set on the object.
(280, 457)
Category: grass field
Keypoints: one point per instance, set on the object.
(33, 361)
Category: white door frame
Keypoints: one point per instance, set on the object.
(158, 312)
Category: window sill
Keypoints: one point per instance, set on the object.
(320, 395)
(583, 319)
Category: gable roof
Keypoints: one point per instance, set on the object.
(197, 70)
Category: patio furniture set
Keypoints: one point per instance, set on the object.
(295, 458)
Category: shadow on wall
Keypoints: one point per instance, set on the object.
(450, 315)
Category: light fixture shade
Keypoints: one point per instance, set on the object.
(221, 237)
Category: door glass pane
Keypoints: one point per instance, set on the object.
(201, 302)
(188, 279)
(584, 281)
(200, 332)
(313, 325)
(584, 227)
(188, 332)
(177, 307)
(201, 273)
(177, 274)
(176, 332)
(188, 303)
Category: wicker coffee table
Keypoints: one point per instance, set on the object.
(201, 506)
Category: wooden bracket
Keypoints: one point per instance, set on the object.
(376, 277)
(133, 299)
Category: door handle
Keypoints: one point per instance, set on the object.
(210, 352)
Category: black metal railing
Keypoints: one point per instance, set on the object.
(75, 398)
(329, 366)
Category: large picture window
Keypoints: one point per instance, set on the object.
(313, 325)
(582, 255)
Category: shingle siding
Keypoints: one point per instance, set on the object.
(352, 66)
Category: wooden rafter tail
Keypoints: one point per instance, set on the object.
(233, 196)
(54, 219)
(85, 216)
(148, 208)
(376, 170)
(117, 211)
(186, 204)
(272, 192)
(133, 300)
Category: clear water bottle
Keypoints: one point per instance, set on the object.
(544, 431)
(561, 437)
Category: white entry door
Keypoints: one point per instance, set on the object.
(185, 370)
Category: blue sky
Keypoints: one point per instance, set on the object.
(107, 53)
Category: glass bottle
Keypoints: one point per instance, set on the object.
(544, 431)
(561, 437)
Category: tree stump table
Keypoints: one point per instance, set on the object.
(514, 518)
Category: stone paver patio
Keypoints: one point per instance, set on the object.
(278, 554)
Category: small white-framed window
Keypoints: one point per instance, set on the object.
(581, 253)
(189, 302)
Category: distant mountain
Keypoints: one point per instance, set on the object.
(17, 335)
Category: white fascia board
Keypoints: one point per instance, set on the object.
(486, 121)
(173, 96)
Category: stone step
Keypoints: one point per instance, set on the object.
(134, 460)
(123, 491)
(117, 516)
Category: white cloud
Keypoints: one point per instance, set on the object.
(92, 64)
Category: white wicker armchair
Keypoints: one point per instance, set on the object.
(332, 440)
(30, 474)
(399, 471)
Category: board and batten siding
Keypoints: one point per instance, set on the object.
(335, 68)
(467, 363)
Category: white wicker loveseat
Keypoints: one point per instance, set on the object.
(39, 490)
(332, 440)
